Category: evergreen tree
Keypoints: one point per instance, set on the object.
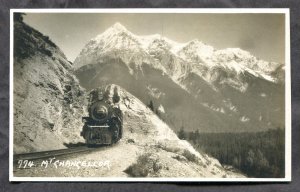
(151, 106)
(262, 164)
(116, 97)
(197, 134)
(18, 17)
(182, 133)
(257, 154)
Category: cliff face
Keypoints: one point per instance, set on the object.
(48, 101)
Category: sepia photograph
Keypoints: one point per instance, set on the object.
(164, 95)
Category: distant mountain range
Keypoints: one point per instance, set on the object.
(195, 85)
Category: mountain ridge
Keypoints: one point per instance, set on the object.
(217, 80)
(119, 38)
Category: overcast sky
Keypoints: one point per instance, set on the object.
(261, 34)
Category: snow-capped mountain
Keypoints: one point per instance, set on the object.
(194, 56)
(193, 79)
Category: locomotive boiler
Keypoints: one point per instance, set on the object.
(104, 124)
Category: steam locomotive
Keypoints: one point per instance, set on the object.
(104, 124)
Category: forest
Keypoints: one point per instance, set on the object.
(256, 154)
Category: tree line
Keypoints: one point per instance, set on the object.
(257, 154)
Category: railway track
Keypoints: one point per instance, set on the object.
(53, 153)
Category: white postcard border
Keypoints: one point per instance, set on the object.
(288, 115)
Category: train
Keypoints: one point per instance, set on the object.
(104, 123)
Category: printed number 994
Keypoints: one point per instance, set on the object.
(25, 164)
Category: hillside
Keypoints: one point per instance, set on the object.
(48, 101)
(149, 148)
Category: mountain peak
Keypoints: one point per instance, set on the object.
(194, 41)
(114, 30)
(119, 26)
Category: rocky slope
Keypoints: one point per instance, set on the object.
(48, 101)
(198, 87)
(149, 148)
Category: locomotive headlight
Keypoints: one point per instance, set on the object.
(100, 112)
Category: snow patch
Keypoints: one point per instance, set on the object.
(214, 108)
(161, 109)
(244, 119)
(263, 95)
(155, 92)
